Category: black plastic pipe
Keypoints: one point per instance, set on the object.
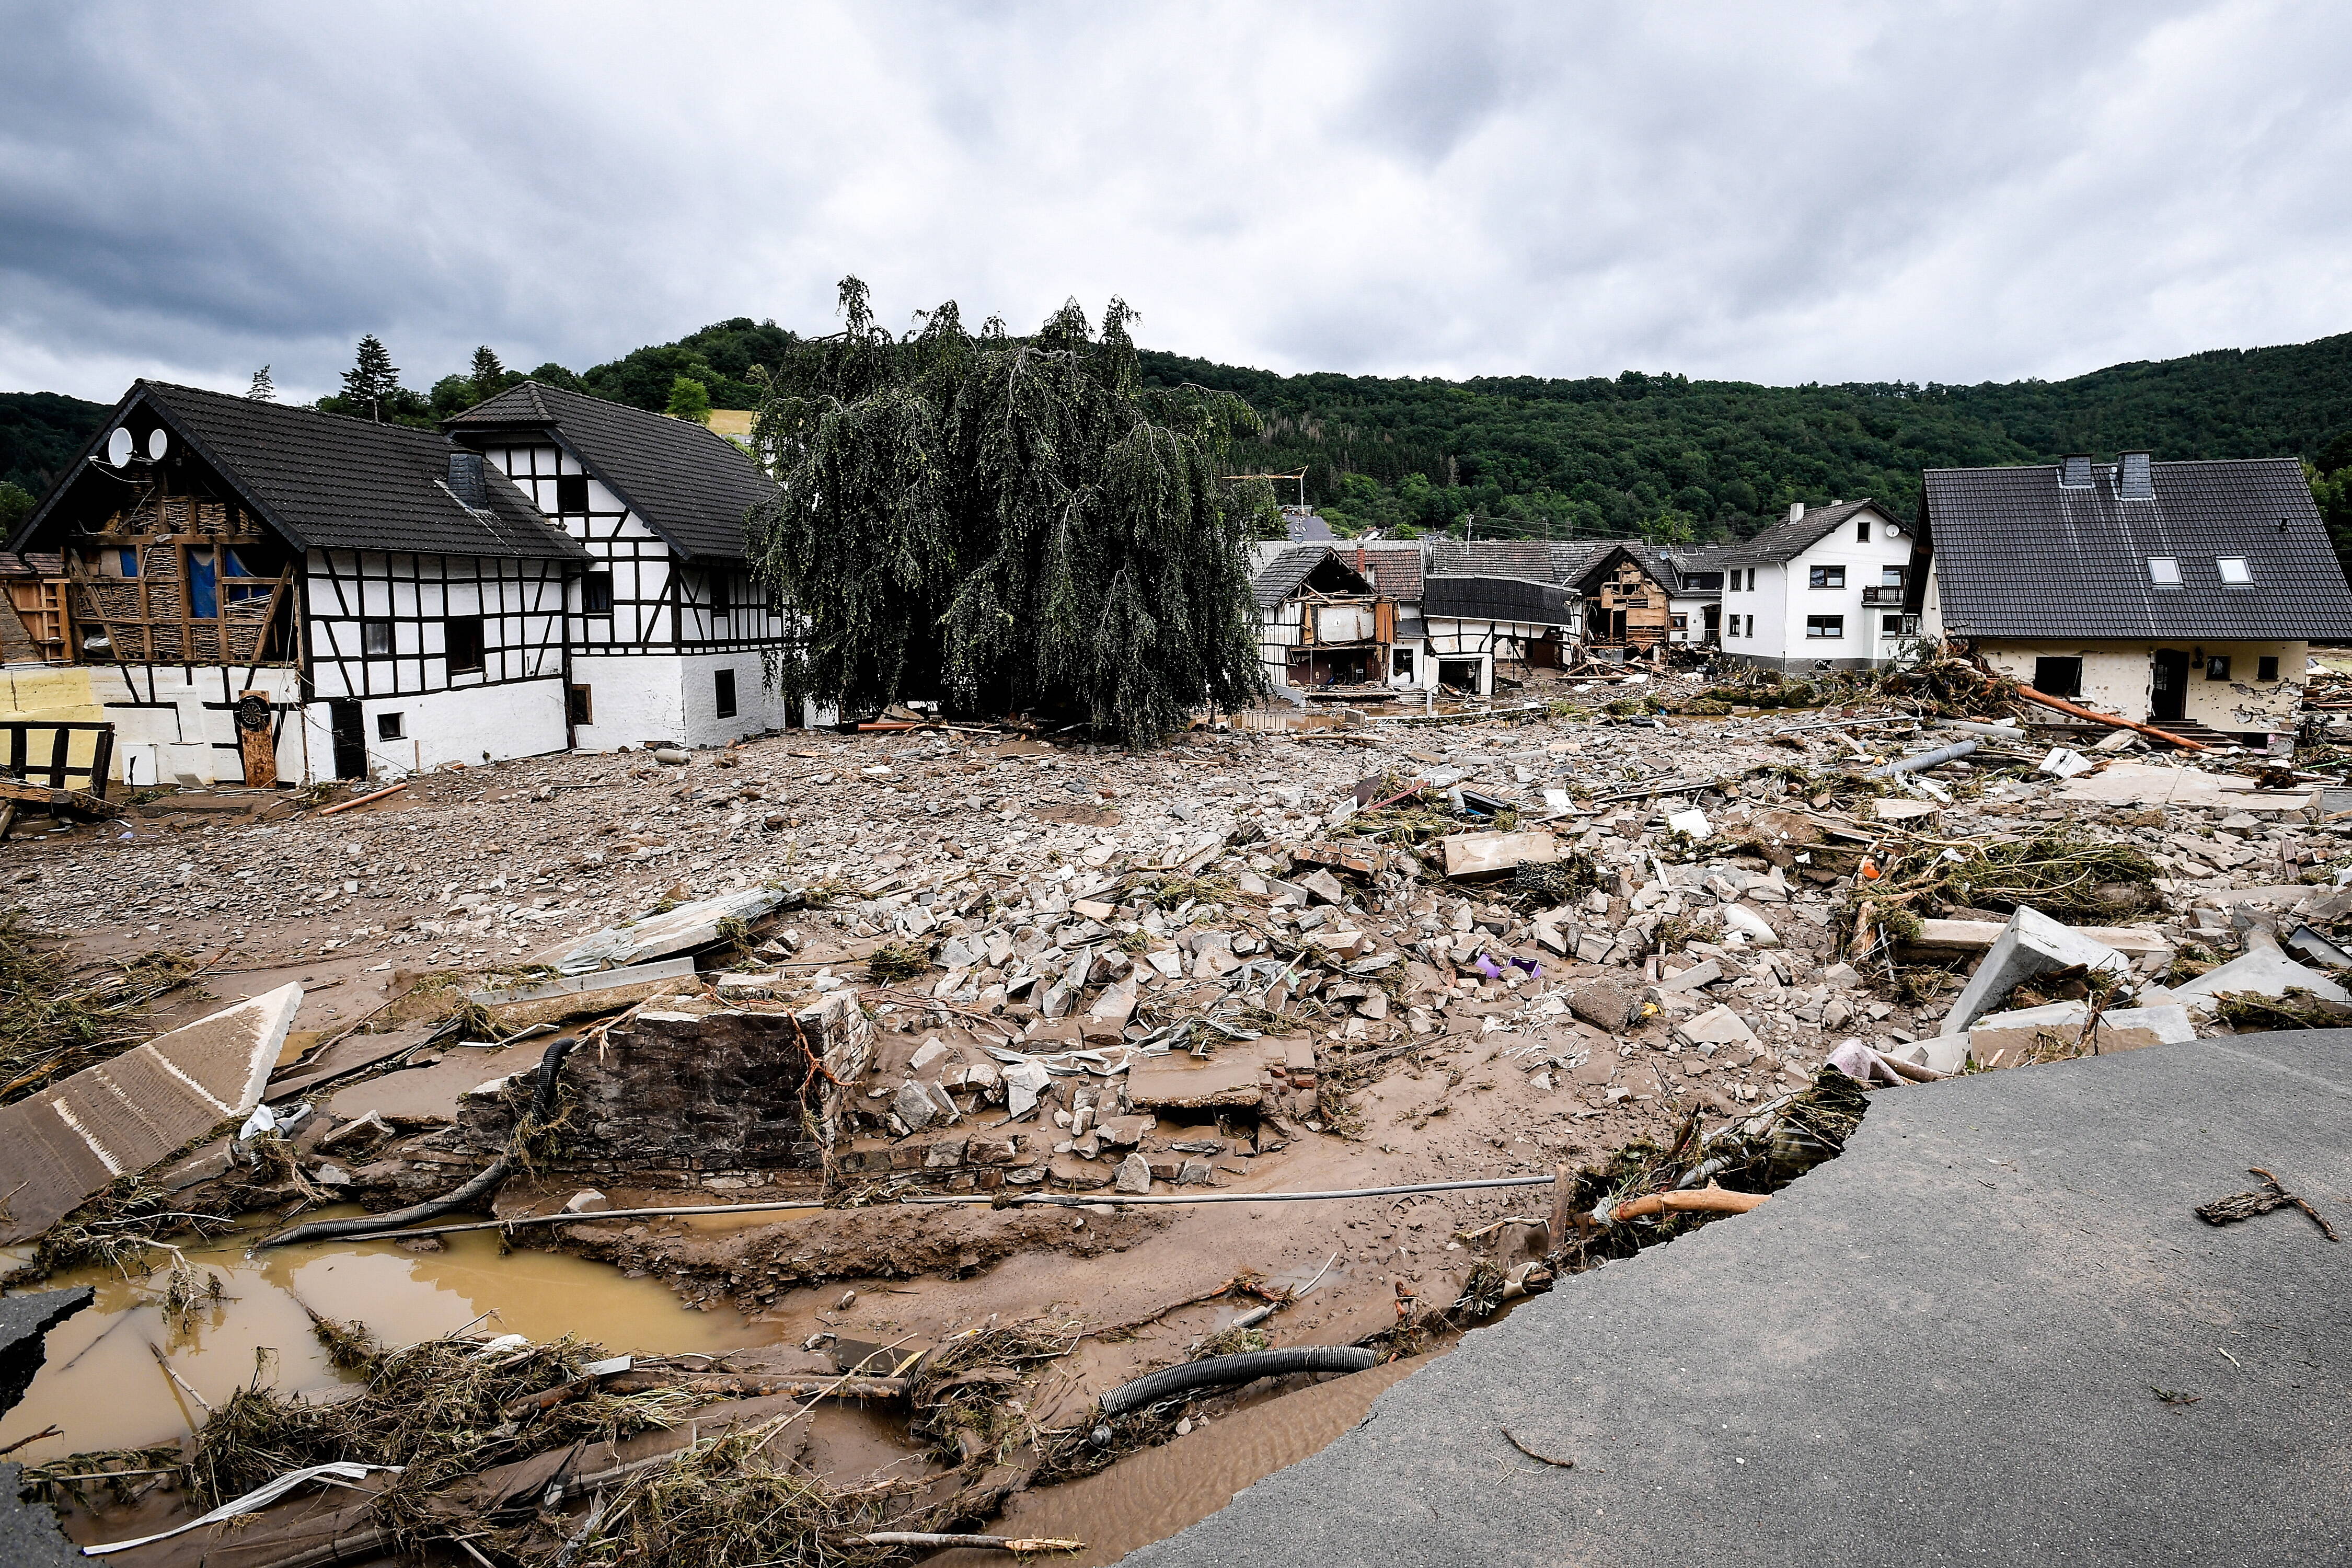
(1218, 1372)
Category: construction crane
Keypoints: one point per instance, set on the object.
(1300, 476)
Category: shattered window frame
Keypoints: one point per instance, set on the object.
(2217, 667)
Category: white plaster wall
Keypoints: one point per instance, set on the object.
(159, 711)
(635, 698)
(1783, 601)
(493, 724)
(756, 707)
(2120, 677)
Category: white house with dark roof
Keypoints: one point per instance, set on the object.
(257, 592)
(670, 629)
(2183, 594)
(1822, 590)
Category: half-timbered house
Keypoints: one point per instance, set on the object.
(669, 631)
(1322, 621)
(1627, 603)
(253, 592)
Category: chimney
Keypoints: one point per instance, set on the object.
(465, 480)
(1796, 512)
(2134, 480)
(2075, 473)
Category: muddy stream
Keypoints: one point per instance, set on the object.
(101, 1384)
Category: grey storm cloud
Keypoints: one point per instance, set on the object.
(1786, 193)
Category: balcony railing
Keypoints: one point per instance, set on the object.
(1890, 597)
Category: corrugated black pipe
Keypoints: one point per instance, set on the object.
(542, 1106)
(1219, 1372)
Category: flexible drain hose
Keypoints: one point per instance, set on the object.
(542, 1104)
(1220, 1371)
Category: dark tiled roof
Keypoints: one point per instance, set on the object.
(686, 484)
(1288, 572)
(1536, 559)
(39, 563)
(1786, 541)
(1652, 563)
(1480, 598)
(1304, 528)
(1394, 569)
(330, 483)
(2017, 556)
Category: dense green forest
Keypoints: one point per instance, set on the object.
(1674, 459)
(1657, 455)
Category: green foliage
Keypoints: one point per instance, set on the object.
(263, 389)
(1655, 456)
(372, 375)
(488, 376)
(39, 433)
(555, 375)
(2331, 490)
(731, 358)
(371, 391)
(1009, 521)
(688, 399)
(16, 505)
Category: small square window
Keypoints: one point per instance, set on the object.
(724, 689)
(1829, 577)
(2266, 667)
(1682, 623)
(388, 727)
(461, 635)
(2233, 570)
(1400, 662)
(1890, 576)
(1824, 626)
(375, 640)
(130, 558)
(1890, 626)
(571, 493)
(1862, 531)
(2164, 571)
(2217, 667)
(596, 594)
(2058, 676)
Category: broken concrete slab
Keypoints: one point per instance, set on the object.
(2030, 944)
(2145, 944)
(1610, 1003)
(1717, 1026)
(585, 995)
(2183, 784)
(659, 935)
(2263, 970)
(1106, 1019)
(1702, 973)
(1235, 1075)
(1479, 856)
(119, 1118)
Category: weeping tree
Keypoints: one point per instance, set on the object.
(1007, 523)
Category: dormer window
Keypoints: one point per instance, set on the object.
(2164, 571)
(2233, 571)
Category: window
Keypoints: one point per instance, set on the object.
(596, 594)
(2164, 571)
(129, 561)
(2266, 667)
(1682, 623)
(1824, 626)
(1890, 576)
(2217, 667)
(722, 596)
(577, 707)
(461, 636)
(571, 492)
(725, 685)
(388, 727)
(1862, 531)
(1400, 662)
(1890, 626)
(2233, 571)
(2058, 676)
(1829, 577)
(1751, 579)
(376, 642)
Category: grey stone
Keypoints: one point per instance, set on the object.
(1134, 1174)
(914, 1106)
(2030, 944)
(1610, 1003)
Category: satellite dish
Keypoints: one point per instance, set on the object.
(158, 443)
(118, 447)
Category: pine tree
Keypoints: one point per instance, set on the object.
(1008, 522)
(488, 376)
(373, 377)
(264, 390)
(688, 399)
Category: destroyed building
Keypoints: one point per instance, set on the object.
(2184, 594)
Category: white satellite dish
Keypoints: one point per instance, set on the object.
(158, 443)
(118, 447)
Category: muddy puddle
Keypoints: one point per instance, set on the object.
(102, 1385)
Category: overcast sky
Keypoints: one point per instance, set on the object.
(1777, 193)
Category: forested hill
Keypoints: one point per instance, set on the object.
(39, 433)
(1680, 458)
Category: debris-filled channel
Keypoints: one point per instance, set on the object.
(964, 1080)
